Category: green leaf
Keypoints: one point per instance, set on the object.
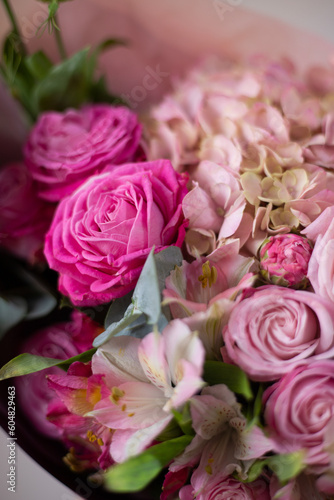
(66, 85)
(39, 65)
(29, 363)
(110, 43)
(172, 431)
(137, 472)
(217, 372)
(131, 314)
(184, 420)
(12, 311)
(287, 466)
(146, 295)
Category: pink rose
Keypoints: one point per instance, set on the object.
(300, 414)
(276, 328)
(24, 217)
(229, 489)
(63, 149)
(62, 341)
(320, 270)
(284, 260)
(102, 234)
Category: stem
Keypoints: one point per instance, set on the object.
(59, 40)
(16, 30)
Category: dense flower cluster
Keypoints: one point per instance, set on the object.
(235, 168)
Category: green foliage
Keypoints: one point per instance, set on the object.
(139, 471)
(135, 314)
(217, 372)
(29, 363)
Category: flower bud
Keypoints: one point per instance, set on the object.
(284, 260)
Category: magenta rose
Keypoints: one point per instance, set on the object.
(229, 489)
(275, 329)
(299, 413)
(102, 234)
(62, 341)
(24, 217)
(63, 149)
(284, 260)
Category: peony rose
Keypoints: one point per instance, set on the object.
(24, 217)
(300, 413)
(284, 260)
(102, 234)
(276, 328)
(229, 489)
(60, 341)
(63, 149)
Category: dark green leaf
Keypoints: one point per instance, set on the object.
(66, 85)
(39, 65)
(29, 363)
(137, 472)
(217, 372)
(117, 310)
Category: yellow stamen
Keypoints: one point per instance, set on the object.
(116, 394)
(100, 442)
(208, 469)
(130, 414)
(123, 407)
(91, 436)
(209, 276)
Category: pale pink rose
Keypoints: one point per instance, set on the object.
(216, 201)
(102, 234)
(275, 329)
(24, 217)
(321, 265)
(64, 149)
(61, 341)
(299, 414)
(229, 489)
(284, 260)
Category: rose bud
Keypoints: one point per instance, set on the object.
(284, 260)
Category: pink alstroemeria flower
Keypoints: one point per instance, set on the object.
(223, 443)
(193, 287)
(146, 380)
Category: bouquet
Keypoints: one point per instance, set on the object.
(173, 268)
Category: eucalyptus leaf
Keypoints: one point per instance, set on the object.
(138, 472)
(29, 363)
(146, 295)
(217, 372)
(117, 310)
(131, 314)
(287, 466)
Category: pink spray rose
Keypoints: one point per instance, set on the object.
(276, 328)
(64, 149)
(102, 234)
(24, 217)
(61, 341)
(300, 414)
(229, 489)
(284, 260)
